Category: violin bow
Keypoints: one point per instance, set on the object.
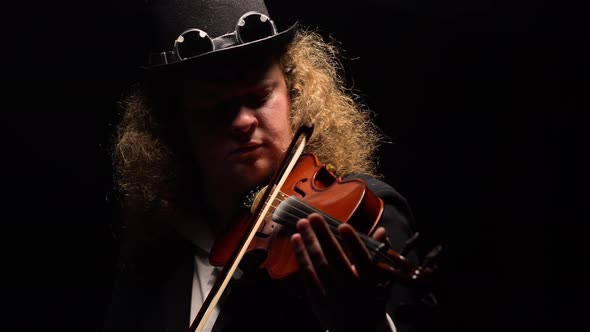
(290, 158)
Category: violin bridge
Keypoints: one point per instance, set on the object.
(269, 225)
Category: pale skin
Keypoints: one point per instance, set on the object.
(240, 129)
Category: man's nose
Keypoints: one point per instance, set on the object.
(245, 122)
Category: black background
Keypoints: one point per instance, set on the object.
(485, 103)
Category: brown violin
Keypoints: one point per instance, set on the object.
(303, 185)
(313, 188)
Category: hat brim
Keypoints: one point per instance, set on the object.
(261, 47)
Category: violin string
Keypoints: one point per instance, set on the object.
(332, 223)
(282, 219)
(373, 245)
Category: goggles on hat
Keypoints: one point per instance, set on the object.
(251, 26)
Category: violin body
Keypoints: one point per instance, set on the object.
(311, 182)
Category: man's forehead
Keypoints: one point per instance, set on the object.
(241, 69)
(233, 77)
(250, 73)
(222, 90)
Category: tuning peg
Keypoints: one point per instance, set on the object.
(430, 258)
(428, 265)
(410, 244)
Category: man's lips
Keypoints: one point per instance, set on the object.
(246, 148)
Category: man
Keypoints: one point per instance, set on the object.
(222, 96)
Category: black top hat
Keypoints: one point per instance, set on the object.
(188, 33)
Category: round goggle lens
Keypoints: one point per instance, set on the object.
(254, 27)
(192, 43)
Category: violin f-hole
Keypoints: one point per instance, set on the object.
(298, 190)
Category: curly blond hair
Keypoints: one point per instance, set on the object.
(149, 166)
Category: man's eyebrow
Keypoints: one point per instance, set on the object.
(267, 84)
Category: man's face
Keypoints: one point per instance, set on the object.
(239, 125)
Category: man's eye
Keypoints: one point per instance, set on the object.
(258, 99)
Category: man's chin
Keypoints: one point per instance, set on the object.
(254, 174)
